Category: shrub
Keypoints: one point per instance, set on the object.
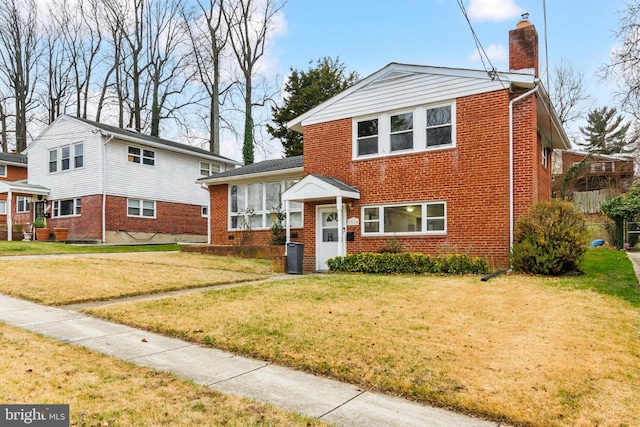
(407, 263)
(551, 239)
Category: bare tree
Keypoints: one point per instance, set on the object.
(168, 56)
(250, 23)
(19, 56)
(209, 36)
(567, 93)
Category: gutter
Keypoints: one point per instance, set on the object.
(511, 198)
(252, 176)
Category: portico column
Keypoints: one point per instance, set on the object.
(340, 238)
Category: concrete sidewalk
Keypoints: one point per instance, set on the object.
(331, 401)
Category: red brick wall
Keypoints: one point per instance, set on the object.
(171, 218)
(15, 173)
(472, 178)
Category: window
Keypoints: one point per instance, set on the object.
(141, 208)
(65, 161)
(421, 129)
(367, 137)
(254, 205)
(53, 161)
(402, 132)
(60, 159)
(140, 155)
(3, 170)
(78, 156)
(3, 207)
(439, 126)
(415, 218)
(205, 211)
(207, 169)
(69, 207)
(23, 204)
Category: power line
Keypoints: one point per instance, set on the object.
(481, 52)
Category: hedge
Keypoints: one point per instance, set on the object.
(408, 263)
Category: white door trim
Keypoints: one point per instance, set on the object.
(319, 210)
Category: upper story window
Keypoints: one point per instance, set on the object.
(3, 170)
(421, 129)
(140, 155)
(207, 169)
(254, 205)
(60, 159)
(414, 218)
(402, 132)
(69, 207)
(23, 204)
(367, 138)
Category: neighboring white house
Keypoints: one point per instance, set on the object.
(119, 186)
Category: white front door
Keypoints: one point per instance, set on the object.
(327, 236)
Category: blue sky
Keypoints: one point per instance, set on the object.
(367, 35)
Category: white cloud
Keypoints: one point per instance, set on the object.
(497, 53)
(493, 10)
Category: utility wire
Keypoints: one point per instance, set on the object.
(481, 52)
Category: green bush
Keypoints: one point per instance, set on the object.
(407, 263)
(551, 239)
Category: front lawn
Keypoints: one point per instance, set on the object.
(67, 280)
(525, 350)
(49, 248)
(103, 391)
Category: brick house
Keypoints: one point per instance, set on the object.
(112, 185)
(14, 207)
(599, 172)
(435, 159)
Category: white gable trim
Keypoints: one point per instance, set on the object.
(313, 188)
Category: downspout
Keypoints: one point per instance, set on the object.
(104, 190)
(511, 198)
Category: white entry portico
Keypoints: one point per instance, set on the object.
(330, 218)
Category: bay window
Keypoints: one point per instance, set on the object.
(254, 205)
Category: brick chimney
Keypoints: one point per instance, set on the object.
(523, 47)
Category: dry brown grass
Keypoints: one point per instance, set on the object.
(514, 348)
(66, 280)
(103, 391)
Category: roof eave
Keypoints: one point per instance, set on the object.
(251, 176)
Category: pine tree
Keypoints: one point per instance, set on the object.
(305, 90)
(606, 133)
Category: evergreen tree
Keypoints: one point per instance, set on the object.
(606, 133)
(303, 91)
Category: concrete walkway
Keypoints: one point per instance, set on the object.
(331, 401)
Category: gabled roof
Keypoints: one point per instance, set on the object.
(258, 170)
(14, 159)
(318, 187)
(402, 86)
(153, 141)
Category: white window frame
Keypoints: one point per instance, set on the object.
(419, 131)
(424, 223)
(23, 204)
(3, 207)
(63, 158)
(265, 220)
(141, 207)
(53, 162)
(143, 157)
(204, 211)
(77, 205)
(78, 158)
(3, 170)
(210, 168)
(56, 162)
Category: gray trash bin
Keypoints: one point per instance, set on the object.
(294, 257)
